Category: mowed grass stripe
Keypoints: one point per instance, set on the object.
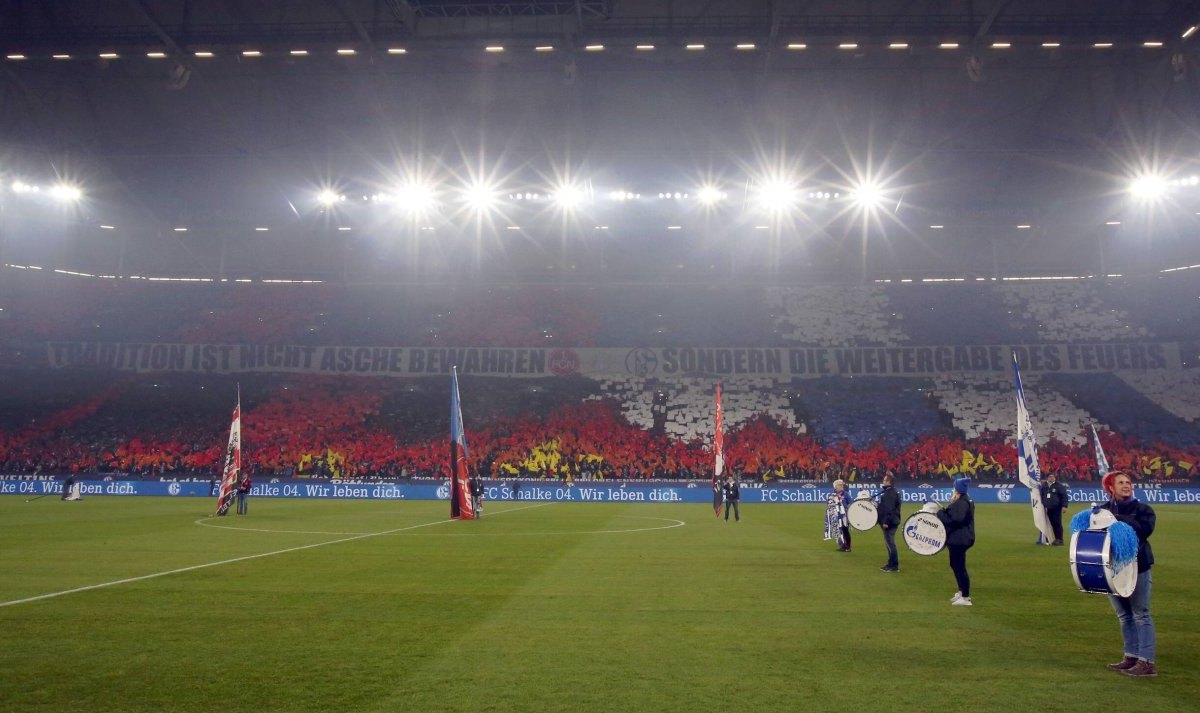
(758, 615)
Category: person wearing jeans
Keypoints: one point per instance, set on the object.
(1133, 612)
(889, 522)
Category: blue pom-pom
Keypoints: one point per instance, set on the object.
(1081, 521)
(1124, 542)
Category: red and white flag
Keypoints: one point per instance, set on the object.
(233, 462)
(461, 506)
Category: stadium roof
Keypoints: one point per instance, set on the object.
(966, 120)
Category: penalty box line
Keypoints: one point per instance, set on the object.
(192, 568)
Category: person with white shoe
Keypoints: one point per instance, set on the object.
(959, 519)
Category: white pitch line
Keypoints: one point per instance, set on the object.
(673, 524)
(192, 568)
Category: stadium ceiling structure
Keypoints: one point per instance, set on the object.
(991, 136)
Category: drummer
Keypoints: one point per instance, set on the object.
(959, 519)
(1137, 628)
(889, 521)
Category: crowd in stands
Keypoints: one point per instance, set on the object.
(372, 428)
(613, 426)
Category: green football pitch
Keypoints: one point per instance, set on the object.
(136, 603)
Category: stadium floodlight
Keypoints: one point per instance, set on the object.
(867, 194)
(710, 195)
(777, 195)
(328, 197)
(23, 187)
(415, 197)
(1148, 187)
(66, 193)
(480, 196)
(568, 196)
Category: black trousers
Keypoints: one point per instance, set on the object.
(1054, 515)
(958, 564)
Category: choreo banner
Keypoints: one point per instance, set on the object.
(783, 362)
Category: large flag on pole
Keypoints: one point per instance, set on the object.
(233, 461)
(1101, 462)
(1028, 470)
(718, 454)
(461, 507)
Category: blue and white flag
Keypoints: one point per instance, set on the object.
(1028, 470)
(1101, 462)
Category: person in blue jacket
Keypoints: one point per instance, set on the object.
(1137, 627)
(959, 519)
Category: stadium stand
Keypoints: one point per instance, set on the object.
(614, 423)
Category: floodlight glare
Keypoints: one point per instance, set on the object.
(328, 197)
(66, 193)
(568, 196)
(777, 195)
(479, 196)
(710, 195)
(867, 194)
(415, 197)
(1148, 187)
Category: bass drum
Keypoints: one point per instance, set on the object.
(862, 515)
(1093, 568)
(924, 533)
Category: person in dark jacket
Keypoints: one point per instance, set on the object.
(243, 495)
(475, 484)
(1055, 501)
(959, 519)
(1137, 627)
(733, 496)
(889, 521)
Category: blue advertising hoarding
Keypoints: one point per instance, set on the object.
(551, 491)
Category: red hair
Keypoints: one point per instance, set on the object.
(1109, 483)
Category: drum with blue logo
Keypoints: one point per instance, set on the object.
(1092, 563)
(924, 533)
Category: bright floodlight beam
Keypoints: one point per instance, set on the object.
(415, 197)
(568, 196)
(66, 193)
(480, 196)
(777, 195)
(709, 195)
(1148, 187)
(868, 195)
(328, 197)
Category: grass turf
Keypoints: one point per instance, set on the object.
(556, 607)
